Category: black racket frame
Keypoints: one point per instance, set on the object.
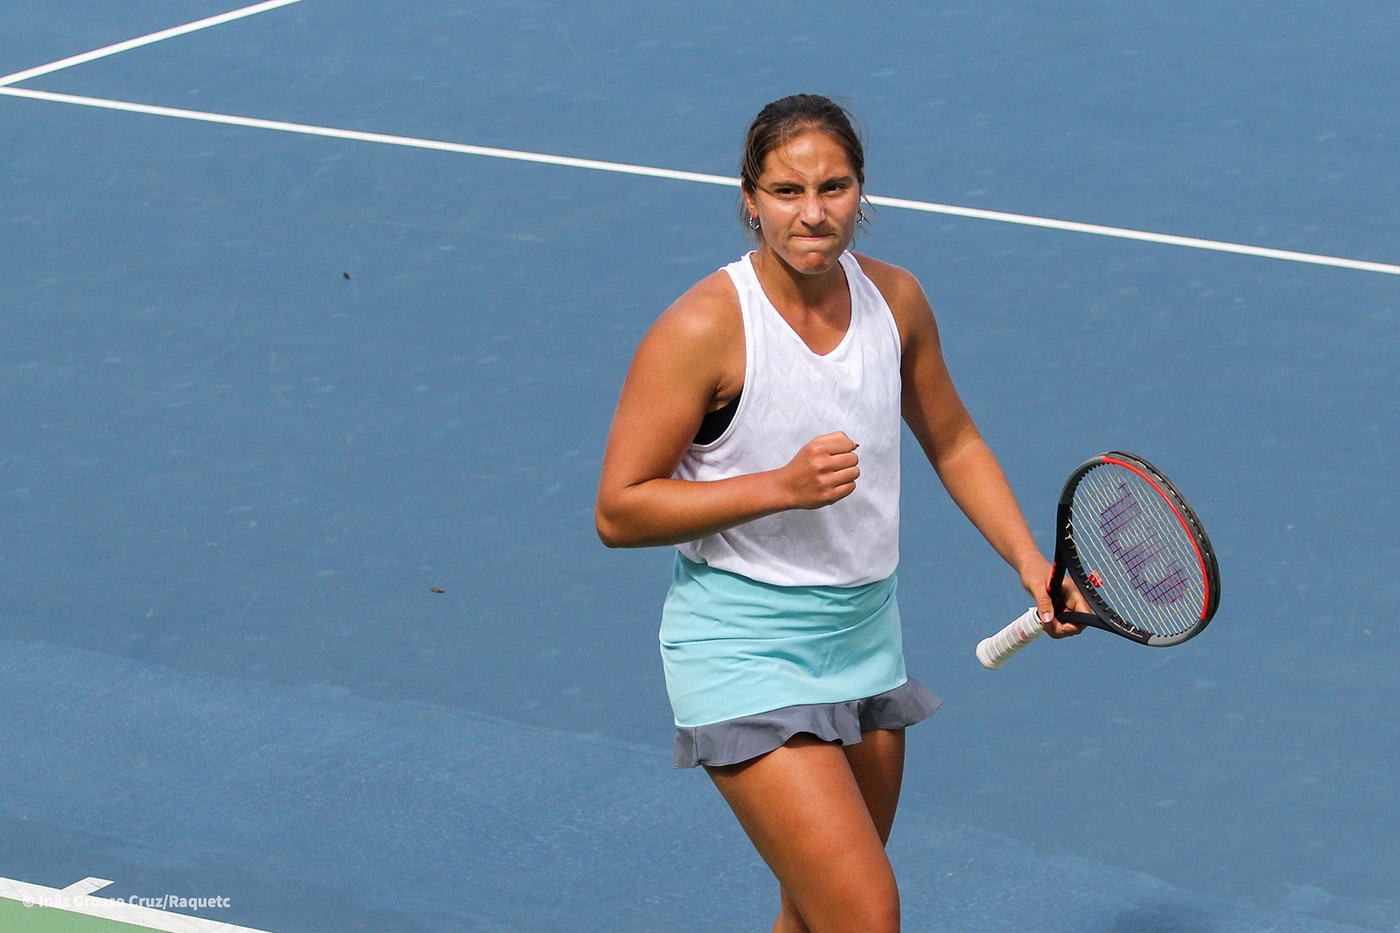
(1067, 557)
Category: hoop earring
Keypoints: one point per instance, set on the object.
(861, 219)
(753, 222)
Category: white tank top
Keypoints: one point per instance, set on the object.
(790, 396)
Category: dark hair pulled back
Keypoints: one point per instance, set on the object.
(784, 120)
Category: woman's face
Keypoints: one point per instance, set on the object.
(807, 200)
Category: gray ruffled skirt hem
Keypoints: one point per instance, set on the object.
(736, 740)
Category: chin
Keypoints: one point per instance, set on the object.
(816, 263)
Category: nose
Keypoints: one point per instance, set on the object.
(813, 211)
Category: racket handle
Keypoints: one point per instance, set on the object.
(994, 651)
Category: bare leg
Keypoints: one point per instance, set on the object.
(789, 920)
(878, 765)
(819, 815)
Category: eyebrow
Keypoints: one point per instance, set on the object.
(790, 182)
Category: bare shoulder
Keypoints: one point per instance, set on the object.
(707, 315)
(697, 343)
(902, 293)
(886, 275)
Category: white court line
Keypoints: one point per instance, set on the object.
(675, 175)
(358, 136)
(87, 886)
(37, 896)
(1142, 235)
(129, 44)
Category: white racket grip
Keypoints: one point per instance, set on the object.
(994, 651)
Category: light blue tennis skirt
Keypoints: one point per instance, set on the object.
(749, 664)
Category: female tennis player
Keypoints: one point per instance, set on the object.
(758, 431)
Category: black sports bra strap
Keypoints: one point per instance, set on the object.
(717, 421)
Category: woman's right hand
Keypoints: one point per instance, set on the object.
(824, 471)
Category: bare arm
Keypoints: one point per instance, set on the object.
(690, 362)
(945, 430)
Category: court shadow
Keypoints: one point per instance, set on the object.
(1164, 918)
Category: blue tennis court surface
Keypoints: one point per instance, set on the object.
(300, 600)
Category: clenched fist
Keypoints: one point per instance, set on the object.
(824, 471)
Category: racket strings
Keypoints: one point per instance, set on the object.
(1135, 551)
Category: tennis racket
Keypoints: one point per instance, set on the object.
(1135, 548)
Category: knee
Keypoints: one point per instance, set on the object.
(872, 909)
(879, 914)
